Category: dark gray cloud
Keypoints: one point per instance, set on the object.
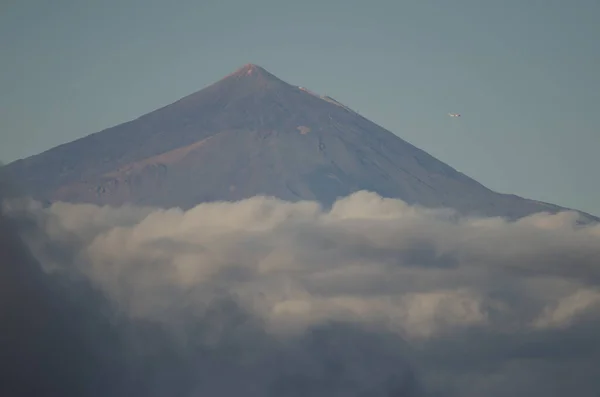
(372, 297)
(55, 338)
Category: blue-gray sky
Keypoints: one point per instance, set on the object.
(523, 74)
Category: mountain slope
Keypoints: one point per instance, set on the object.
(247, 134)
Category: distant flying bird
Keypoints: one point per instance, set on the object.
(453, 114)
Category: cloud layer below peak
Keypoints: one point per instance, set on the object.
(472, 305)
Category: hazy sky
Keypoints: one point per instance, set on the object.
(523, 73)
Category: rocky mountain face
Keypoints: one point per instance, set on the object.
(248, 134)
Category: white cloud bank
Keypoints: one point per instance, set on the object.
(484, 305)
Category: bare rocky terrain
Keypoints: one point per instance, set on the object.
(253, 134)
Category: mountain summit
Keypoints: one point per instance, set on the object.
(252, 70)
(251, 133)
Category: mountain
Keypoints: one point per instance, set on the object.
(251, 133)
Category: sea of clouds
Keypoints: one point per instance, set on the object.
(263, 297)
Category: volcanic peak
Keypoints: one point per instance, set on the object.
(252, 70)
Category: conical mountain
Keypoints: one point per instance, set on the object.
(251, 133)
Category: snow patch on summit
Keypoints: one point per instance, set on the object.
(331, 100)
(326, 98)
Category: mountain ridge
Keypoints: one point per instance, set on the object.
(251, 133)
